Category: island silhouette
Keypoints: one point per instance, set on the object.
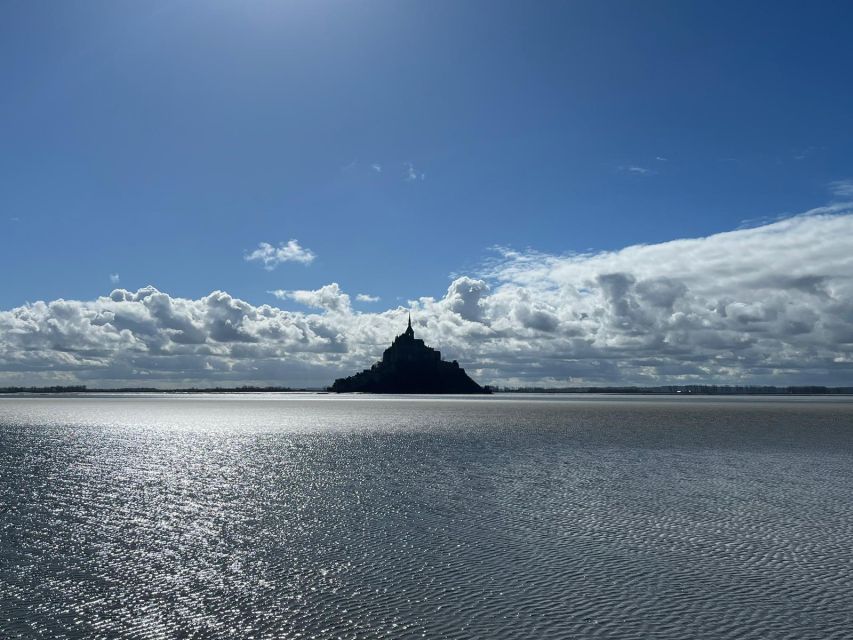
(410, 366)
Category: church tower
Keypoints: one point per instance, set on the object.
(409, 331)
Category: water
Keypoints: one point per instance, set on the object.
(299, 516)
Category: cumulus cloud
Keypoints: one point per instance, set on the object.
(364, 297)
(271, 256)
(464, 298)
(329, 297)
(768, 304)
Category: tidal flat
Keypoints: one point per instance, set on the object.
(506, 516)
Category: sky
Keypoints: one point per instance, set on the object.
(561, 193)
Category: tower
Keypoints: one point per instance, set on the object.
(409, 331)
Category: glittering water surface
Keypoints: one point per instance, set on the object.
(285, 516)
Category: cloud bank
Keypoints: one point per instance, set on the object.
(770, 304)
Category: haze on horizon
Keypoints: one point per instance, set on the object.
(561, 193)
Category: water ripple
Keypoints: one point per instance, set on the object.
(317, 517)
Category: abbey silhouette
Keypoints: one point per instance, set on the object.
(409, 366)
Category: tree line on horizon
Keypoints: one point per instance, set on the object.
(694, 389)
(697, 389)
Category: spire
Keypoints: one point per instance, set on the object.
(409, 331)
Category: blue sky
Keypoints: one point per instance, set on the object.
(162, 141)
(399, 142)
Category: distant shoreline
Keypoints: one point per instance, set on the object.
(668, 390)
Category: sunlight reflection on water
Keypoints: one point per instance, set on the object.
(277, 515)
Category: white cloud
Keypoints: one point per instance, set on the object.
(114, 278)
(376, 167)
(661, 159)
(271, 256)
(411, 174)
(364, 297)
(807, 152)
(329, 297)
(638, 171)
(769, 304)
(842, 188)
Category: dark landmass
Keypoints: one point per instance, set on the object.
(692, 389)
(84, 389)
(699, 390)
(409, 366)
(67, 389)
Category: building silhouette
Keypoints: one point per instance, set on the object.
(410, 366)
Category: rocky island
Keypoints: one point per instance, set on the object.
(410, 366)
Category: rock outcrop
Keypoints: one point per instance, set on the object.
(410, 366)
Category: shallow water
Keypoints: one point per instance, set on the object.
(271, 516)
